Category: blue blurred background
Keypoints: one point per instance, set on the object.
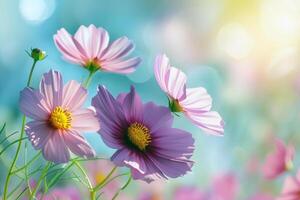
(245, 53)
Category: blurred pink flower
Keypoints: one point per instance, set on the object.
(150, 196)
(262, 197)
(90, 48)
(279, 161)
(224, 187)
(68, 193)
(291, 188)
(195, 103)
(189, 193)
(97, 171)
(58, 118)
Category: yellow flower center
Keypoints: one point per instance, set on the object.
(139, 135)
(60, 118)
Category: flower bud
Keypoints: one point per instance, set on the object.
(38, 54)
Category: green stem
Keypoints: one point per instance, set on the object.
(85, 174)
(26, 171)
(31, 73)
(44, 173)
(88, 80)
(93, 195)
(122, 188)
(57, 176)
(20, 141)
(11, 144)
(27, 164)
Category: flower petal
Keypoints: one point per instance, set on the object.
(209, 122)
(65, 44)
(197, 100)
(171, 80)
(110, 114)
(121, 66)
(171, 168)
(78, 144)
(133, 107)
(157, 116)
(126, 157)
(172, 143)
(92, 40)
(85, 120)
(55, 149)
(38, 133)
(33, 104)
(51, 87)
(74, 95)
(161, 68)
(118, 49)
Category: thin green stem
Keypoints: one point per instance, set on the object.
(31, 73)
(122, 188)
(44, 173)
(26, 170)
(27, 164)
(57, 176)
(11, 144)
(85, 174)
(113, 178)
(20, 141)
(89, 79)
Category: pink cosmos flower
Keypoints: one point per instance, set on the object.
(58, 118)
(279, 161)
(291, 188)
(224, 187)
(195, 103)
(90, 48)
(143, 136)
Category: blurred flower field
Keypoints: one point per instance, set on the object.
(228, 71)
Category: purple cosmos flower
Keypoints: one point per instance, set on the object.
(90, 48)
(143, 136)
(195, 103)
(58, 118)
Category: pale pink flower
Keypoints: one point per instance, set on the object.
(224, 187)
(90, 48)
(195, 103)
(58, 118)
(67, 193)
(279, 161)
(291, 188)
(97, 171)
(190, 193)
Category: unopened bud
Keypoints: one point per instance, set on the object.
(38, 54)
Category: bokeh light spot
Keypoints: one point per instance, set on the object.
(36, 11)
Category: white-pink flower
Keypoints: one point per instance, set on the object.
(90, 48)
(195, 103)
